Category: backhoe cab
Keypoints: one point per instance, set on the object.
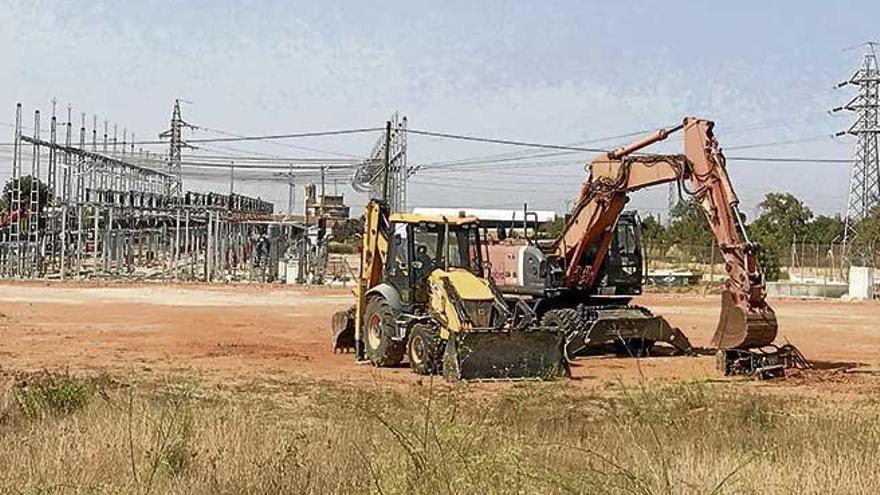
(422, 296)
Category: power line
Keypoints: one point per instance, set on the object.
(779, 143)
(600, 150)
(524, 155)
(785, 159)
(278, 159)
(236, 166)
(469, 161)
(509, 142)
(269, 137)
(286, 145)
(264, 137)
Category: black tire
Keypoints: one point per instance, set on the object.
(566, 319)
(380, 323)
(423, 349)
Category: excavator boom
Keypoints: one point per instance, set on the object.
(746, 319)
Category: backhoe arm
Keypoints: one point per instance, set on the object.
(746, 319)
(374, 247)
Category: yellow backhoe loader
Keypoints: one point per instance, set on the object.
(422, 296)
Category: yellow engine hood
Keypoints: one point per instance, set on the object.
(469, 286)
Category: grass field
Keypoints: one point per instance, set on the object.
(98, 434)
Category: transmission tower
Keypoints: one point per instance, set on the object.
(177, 144)
(671, 201)
(864, 183)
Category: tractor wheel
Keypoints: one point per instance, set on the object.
(423, 349)
(380, 323)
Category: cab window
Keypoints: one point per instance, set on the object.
(399, 253)
(626, 238)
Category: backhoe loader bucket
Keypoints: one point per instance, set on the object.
(739, 328)
(494, 355)
(343, 330)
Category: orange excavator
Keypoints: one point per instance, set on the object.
(567, 274)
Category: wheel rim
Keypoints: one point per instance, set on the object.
(417, 349)
(374, 331)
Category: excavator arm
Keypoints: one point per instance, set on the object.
(746, 319)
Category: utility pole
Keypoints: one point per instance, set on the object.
(291, 189)
(323, 169)
(384, 175)
(864, 186)
(232, 178)
(386, 163)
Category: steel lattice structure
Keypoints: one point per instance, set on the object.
(75, 212)
(176, 145)
(370, 177)
(864, 188)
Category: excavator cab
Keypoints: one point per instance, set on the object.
(622, 271)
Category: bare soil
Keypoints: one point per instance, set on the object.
(243, 333)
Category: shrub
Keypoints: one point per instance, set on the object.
(51, 394)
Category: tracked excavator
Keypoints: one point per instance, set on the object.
(422, 297)
(563, 284)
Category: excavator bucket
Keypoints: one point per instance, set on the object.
(343, 330)
(739, 328)
(493, 355)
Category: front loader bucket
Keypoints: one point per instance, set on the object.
(343, 330)
(505, 356)
(739, 328)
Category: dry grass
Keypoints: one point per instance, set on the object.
(63, 434)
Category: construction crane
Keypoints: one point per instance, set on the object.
(562, 283)
(421, 296)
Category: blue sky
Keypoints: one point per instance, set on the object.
(558, 72)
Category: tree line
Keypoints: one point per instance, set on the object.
(783, 220)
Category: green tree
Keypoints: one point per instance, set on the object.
(553, 229)
(653, 233)
(26, 185)
(784, 219)
(867, 237)
(688, 228)
(825, 230)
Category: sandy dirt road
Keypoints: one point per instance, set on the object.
(246, 332)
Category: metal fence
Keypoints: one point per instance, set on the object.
(800, 261)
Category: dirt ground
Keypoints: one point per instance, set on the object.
(242, 333)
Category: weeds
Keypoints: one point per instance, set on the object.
(438, 439)
(51, 394)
